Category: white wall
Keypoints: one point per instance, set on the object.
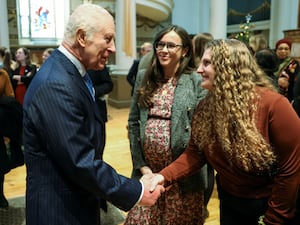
(193, 15)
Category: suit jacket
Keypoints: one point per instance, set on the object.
(64, 140)
(131, 77)
(187, 95)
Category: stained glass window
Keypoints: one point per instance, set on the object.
(41, 20)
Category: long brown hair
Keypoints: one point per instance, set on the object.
(5, 54)
(154, 75)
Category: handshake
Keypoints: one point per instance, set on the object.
(153, 187)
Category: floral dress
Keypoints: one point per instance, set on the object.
(172, 207)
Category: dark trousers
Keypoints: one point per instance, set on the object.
(210, 184)
(10, 126)
(237, 211)
(296, 219)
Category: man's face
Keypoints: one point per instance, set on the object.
(99, 47)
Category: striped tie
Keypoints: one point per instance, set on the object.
(89, 84)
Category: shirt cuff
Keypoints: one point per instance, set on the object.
(142, 193)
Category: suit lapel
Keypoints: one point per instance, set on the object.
(79, 82)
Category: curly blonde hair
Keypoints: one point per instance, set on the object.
(227, 115)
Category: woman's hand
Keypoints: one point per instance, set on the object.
(283, 81)
(18, 78)
(145, 170)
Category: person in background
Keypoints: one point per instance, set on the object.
(6, 60)
(257, 42)
(10, 127)
(164, 99)
(103, 85)
(249, 133)
(145, 60)
(23, 74)
(64, 133)
(199, 41)
(268, 62)
(131, 76)
(46, 53)
(296, 102)
(288, 68)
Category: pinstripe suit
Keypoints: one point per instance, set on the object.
(64, 140)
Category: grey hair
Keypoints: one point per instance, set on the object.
(86, 17)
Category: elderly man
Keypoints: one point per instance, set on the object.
(64, 134)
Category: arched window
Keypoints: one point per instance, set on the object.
(41, 22)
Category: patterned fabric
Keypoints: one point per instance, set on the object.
(172, 207)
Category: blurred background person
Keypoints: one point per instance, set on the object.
(11, 128)
(163, 102)
(288, 68)
(46, 53)
(6, 61)
(199, 41)
(268, 62)
(131, 76)
(258, 42)
(296, 103)
(23, 74)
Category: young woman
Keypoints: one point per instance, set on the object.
(23, 74)
(164, 99)
(288, 68)
(249, 134)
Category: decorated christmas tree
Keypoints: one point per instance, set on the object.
(246, 28)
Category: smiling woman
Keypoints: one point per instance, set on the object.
(164, 99)
(238, 128)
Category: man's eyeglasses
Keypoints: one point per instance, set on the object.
(160, 45)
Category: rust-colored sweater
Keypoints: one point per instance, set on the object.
(6, 88)
(280, 125)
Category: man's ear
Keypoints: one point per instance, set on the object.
(81, 37)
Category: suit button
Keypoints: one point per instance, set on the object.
(187, 128)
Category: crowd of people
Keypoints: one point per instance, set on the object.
(199, 106)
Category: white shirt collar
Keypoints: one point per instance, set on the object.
(73, 59)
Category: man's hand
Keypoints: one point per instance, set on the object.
(150, 196)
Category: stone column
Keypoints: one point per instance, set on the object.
(125, 20)
(4, 34)
(218, 18)
(125, 33)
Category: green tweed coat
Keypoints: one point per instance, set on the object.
(187, 95)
